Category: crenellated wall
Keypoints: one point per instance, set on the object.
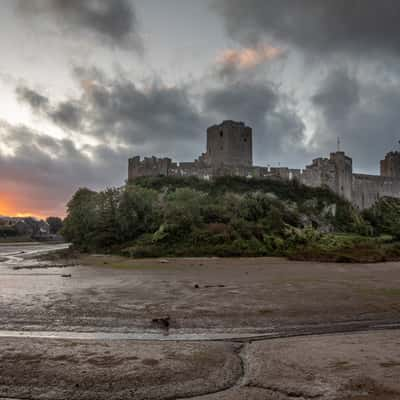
(149, 166)
(230, 153)
(390, 166)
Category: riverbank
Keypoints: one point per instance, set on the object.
(111, 327)
(363, 366)
(119, 294)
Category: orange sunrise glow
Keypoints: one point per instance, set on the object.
(5, 206)
(9, 207)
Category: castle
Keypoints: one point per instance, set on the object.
(230, 152)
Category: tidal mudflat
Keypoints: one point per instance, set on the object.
(251, 328)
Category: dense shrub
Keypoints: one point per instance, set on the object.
(189, 216)
(384, 217)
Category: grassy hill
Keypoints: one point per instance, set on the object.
(228, 216)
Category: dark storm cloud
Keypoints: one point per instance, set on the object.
(137, 115)
(36, 100)
(245, 101)
(66, 114)
(363, 114)
(114, 21)
(275, 123)
(322, 26)
(163, 120)
(155, 117)
(356, 44)
(338, 95)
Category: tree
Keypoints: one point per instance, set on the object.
(138, 212)
(80, 225)
(182, 209)
(384, 217)
(55, 224)
(107, 232)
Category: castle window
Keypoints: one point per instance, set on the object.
(221, 134)
(245, 140)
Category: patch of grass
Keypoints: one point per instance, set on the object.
(390, 364)
(117, 262)
(16, 239)
(342, 365)
(348, 248)
(390, 291)
(386, 292)
(134, 266)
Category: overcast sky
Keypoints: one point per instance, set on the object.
(86, 84)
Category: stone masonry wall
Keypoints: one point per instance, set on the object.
(230, 144)
(390, 166)
(367, 189)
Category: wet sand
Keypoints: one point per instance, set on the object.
(209, 299)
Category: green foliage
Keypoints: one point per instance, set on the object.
(55, 224)
(80, 225)
(182, 210)
(138, 212)
(228, 216)
(7, 232)
(348, 248)
(384, 217)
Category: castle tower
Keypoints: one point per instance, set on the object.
(390, 166)
(230, 144)
(344, 174)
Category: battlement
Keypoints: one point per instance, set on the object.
(149, 166)
(390, 166)
(230, 144)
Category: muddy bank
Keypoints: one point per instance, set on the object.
(32, 369)
(227, 298)
(122, 295)
(338, 367)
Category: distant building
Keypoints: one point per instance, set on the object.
(26, 226)
(230, 153)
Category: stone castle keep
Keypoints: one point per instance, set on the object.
(230, 152)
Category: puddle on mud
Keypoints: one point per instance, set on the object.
(233, 334)
(139, 336)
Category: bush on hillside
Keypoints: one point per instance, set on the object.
(189, 216)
